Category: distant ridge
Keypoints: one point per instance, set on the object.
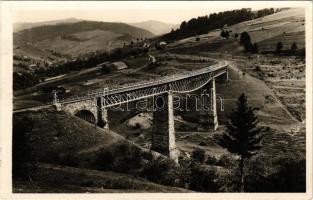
(156, 27)
(27, 25)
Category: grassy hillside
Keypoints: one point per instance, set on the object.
(56, 41)
(61, 179)
(286, 26)
(81, 157)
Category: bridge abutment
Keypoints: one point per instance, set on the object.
(74, 107)
(207, 109)
(163, 131)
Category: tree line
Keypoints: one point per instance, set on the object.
(25, 79)
(204, 24)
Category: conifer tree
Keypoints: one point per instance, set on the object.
(242, 136)
(294, 46)
(279, 46)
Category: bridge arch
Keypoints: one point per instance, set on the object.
(86, 115)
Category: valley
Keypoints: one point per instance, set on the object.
(273, 81)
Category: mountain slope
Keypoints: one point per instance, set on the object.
(69, 40)
(286, 26)
(156, 27)
(22, 26)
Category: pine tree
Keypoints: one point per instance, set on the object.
(279, 46)
(242, 136)
(294, 46)
(245, 38)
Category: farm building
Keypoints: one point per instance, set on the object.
(115, 66)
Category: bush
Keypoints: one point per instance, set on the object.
(198, 155)
(227, 161)
(224, 34)
(126, 158)
(203, 179)
(211, 160)
(162, 171)
(24, 163)
(121, 158)
(283, 174)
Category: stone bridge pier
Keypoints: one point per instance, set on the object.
(163, 131)
(93, 108)
(103, 118)
(207, 108)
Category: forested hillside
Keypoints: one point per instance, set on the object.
(204, 24)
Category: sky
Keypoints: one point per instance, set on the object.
(128, 12)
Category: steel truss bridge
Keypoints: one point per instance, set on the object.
(180, 83)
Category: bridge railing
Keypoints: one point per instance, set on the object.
(145, 83)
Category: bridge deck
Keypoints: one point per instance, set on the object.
(212, 71)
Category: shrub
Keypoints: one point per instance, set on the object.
(228, 180)
(211, 160)
(162, 171)
(121, 158)
(126, 158)
(198, 155)
(202, 179)
(283, 174)
(224, 34)
(227, 161)
(23, 160)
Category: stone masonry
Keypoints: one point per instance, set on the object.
(207, 109)
(163, 132)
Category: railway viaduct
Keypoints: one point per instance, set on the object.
(94, 105)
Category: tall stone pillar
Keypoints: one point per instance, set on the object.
(103, 120)
(207, 109)
(163, 131)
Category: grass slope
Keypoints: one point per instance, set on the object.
(52, 41)
(286, 26)
(61, 179)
